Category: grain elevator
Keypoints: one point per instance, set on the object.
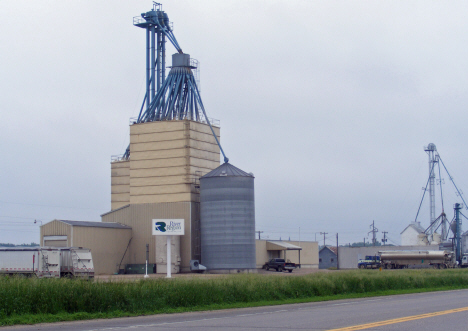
(171, 171)
(172, 144)
(172, 160)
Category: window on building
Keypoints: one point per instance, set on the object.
(332, 260)
(320, 260)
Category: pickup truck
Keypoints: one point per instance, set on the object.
(280, 265)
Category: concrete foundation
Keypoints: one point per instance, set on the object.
(232, 271)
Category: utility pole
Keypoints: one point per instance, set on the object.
(337, 248)
(40, 230)
(384, 240)
(259, 234)
(364, 241)
(324, 233)
(374, 231)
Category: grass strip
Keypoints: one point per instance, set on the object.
(30, 301)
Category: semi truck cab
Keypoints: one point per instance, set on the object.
(464, 262)
(370, 262)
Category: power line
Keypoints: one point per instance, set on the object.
(324, 233)
(8, 230)
(451, 178)
(393, 241)
(25, 218)
(39, 205)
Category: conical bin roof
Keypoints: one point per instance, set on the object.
(227, 170)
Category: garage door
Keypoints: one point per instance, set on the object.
(55, 243)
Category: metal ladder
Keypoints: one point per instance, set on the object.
(75, 258)
(45, 264)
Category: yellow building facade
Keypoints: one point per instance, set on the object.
(161, 181)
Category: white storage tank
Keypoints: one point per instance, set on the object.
(227, 222)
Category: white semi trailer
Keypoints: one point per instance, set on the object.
(405, 259)
(76, 262)
(47, 262)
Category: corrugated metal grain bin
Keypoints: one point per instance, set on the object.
(227, 219)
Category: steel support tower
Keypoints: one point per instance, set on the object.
(458, 249)
(157, 25)
(178, 96)
(433, 159)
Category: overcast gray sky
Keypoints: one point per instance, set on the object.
(328, 103)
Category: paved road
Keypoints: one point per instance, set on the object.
(427, 311)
